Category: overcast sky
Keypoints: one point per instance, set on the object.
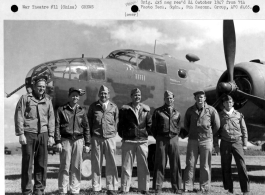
(29, 43)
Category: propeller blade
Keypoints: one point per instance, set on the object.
(260, 102)
(229, 40)
(217, 102)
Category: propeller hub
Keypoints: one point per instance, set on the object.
(227, 87)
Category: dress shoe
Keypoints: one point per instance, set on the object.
(95, 193)
(245, 193)
(177, 191)
(158, 192)
(122, 192)
(145, 192)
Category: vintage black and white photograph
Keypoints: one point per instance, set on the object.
(133, 106)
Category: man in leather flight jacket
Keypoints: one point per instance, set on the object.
(70, 129)
(165, 129)
(134, 125)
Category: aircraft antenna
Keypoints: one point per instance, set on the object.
(155, 47)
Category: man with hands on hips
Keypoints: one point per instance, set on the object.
(71, 130)
(34, 124)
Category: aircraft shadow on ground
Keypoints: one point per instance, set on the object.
(216, 173)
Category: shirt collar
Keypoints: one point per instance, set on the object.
(168, 106)
(32, 97)
(229, 112)
(135, 107)
(42, 96)
(106, 103)
(205, 106)
(76, 106)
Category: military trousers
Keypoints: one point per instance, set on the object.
(227, 150)
(167, 147)
(70, 165)
(106, 147)
(130, 150)
(195, 149)
(36, 148)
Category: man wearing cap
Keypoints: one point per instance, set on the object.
(165, 129)
(34, 124)
(70, 129)
(134, 125)
(103, 120)
(201, 122)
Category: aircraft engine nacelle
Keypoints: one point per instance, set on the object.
(249, 78)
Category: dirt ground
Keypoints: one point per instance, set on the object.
(255, 166)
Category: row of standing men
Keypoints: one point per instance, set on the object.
(75, 131)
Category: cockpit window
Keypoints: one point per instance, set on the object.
(30, 73)
(161, 65)
(41, 71)
(125, 56)
(78, 69)
(79, 73)
(96, 69)
(76, 61)
(61, 69)
(146, 63)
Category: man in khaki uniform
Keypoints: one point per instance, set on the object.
(134, 125)
(201, 122)
(34, 124)
(103, 120)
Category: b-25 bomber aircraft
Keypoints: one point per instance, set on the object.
(123, 70)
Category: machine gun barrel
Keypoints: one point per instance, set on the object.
(42, 72)
(8, 95)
